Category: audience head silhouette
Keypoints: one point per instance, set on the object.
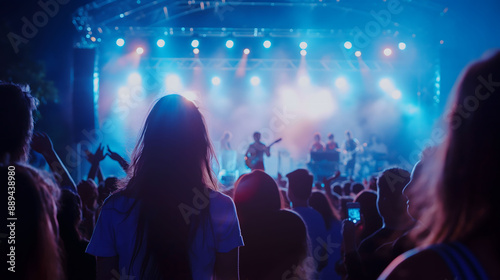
(69, 215)
(319, 202)
(256, 194)
(357, 188)
(275, 240)
(16, 106)
(337, 188)
(391, 203)
(368, 209)
(417, 202)
(300, 184)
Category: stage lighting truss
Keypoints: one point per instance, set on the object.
(102, 18)
(162, 63)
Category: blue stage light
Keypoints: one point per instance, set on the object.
(255, 81)
(387, 52)
(160, 43)
(215, 81)
(341, 83)
(120, 42)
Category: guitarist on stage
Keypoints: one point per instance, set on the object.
(350, 147)
(256, 153)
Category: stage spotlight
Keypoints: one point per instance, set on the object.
(123, 92)
(386, 84)
(215, 81)
(341, 83)
(134, 79)
(120, 42)
(196, 51)
(195, 43)
(303, 52)
(246, 51)
(402, 46)
(387, 51)
(348, 45)
(303, 45)
(160, 43)
(304, 81)
(229, 44)
(255, 81)
(173, 82)
(139, 50)
(357, 53)
(396, 94)
(267, 44)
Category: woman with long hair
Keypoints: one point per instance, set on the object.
(168, 221)
(33, 252)
(32, 249)
(457, 199)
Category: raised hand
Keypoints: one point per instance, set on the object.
(95, 159)
(328, 181)
(114, 156)
(41, 143)
(118, 158)
(88, 155)
(99, 154)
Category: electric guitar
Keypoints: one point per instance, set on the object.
(252, 160)
(349, 155)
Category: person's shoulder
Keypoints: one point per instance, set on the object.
(308, 213)
(315, 213)
(219, 200)
(117, 201)
(292, 217)
(370, 243)
(217, 196)
(419, 263)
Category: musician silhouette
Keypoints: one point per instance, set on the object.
(254, 156)
(350, 148)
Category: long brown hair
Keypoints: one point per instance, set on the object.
(170, 163)
(37, 251)
(458, 191)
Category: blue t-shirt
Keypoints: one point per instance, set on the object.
(316, 230)
(114, 235)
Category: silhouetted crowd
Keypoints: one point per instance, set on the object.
(168, 219)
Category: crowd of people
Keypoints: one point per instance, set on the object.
(168, 220)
